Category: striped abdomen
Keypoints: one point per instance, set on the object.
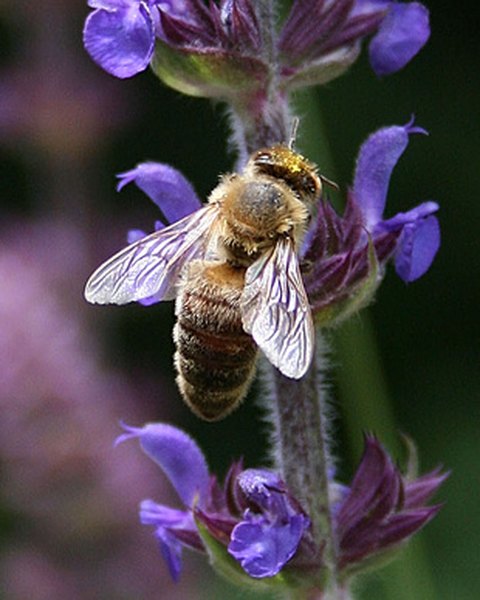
(215, 358)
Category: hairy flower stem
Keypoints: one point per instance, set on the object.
(299, 416)
(266, 19)
(264, 123)
(263, 118)
(297, 408)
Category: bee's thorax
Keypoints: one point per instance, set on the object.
(255, 212)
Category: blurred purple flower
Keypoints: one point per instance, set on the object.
(253, 515)
(66, 496)
(402, 34)
(321, 38)
(59, 106)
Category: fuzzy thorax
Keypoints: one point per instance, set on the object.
(256, 211)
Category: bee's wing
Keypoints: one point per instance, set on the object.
(152, 265)
(276, 312)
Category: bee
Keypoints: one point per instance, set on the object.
(233, 268)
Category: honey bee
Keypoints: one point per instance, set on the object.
(233, 268)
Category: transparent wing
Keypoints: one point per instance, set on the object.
(276, 312)
(152, 265)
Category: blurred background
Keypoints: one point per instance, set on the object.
(69, 371)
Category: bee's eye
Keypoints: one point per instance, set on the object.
(309, 185)
(263, 157)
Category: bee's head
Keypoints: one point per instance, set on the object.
(281, 162)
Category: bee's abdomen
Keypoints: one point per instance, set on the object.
(215, 358)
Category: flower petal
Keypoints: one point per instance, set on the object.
(375, 474)
(110, 5)
(171, 550)
(133, 235)
(165, 520)
(152, 513)
(271, 530)
(177, 455)
(166, 186)
(420, 490)
(401, 219)
(418, 246)
(376, 160)
(402, 34)
(365, 7)
(382, 509)
(261, 488)
(263, 547)
(120, 40)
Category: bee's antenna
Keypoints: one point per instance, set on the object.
(293, 133)
(329, 182)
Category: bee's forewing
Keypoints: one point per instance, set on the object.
(152, 265)
(276, 312)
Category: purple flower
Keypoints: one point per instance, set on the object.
(382, 508)
(217, 50)
(228, 25)
(344, 257)
(252, 515)
(417, 230)
(120, 35)
(254, 519)
(167, 187)
(169, 190)
(320, 39)
(402, 34)
(264, 541)
(183, 463)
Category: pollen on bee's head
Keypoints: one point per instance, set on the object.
(281, 162)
